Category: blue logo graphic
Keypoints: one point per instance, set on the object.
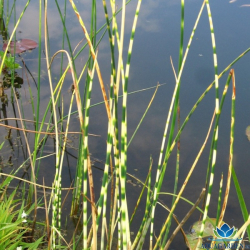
(224, 239)
(225, 231)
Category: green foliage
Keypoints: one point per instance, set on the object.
(195, 230)
(241, 199)
(9, 62)
(13, 223)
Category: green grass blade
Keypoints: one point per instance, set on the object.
(242, 203)
(162, 164)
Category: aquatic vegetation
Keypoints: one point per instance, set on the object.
(103, 217)
(20, 46)
(9, 62)
(193, 235)
(14, 227)
(248, 132)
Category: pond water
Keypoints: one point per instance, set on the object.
(156, 41)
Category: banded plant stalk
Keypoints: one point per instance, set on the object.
(107, 108)
(217, 120)
(123, 170)
(243, 206)
(123, 162)
(176, 112)
(125, 230)
(78, 177)
(112, 137)
(93, 54)
(110, 130)
(56, 202)
(102, 206)
(231, 171)
(199, 100)
(113, 134)
(162, 164)
(114, 91)
(219, 200)
(196, 160)
(79, 106)
(220, 219)
(216, 130)
(115, 80)
(183, 186)
(114, 113)
(86, 160)
(56, 211)
(86, 156)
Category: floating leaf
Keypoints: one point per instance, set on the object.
(193, 236)
(248, 132)
(20, 45)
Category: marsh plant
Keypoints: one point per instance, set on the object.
(15, 229)
(103, 218)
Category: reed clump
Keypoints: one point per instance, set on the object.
(102, 217)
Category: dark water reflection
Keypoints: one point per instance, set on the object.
(156, 40)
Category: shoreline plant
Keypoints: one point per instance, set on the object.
(103, 214)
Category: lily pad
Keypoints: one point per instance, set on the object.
(248, 132)
(193, 236)
(20, 45)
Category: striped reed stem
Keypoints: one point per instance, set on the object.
(163, 163)
(216, 129)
